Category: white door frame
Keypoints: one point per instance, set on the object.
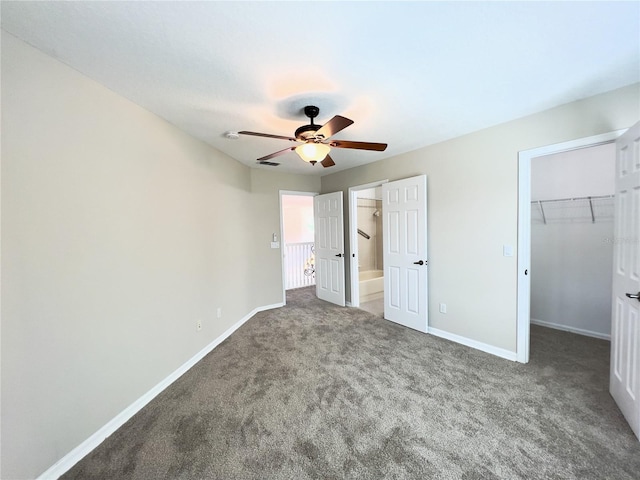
(524, 228)
(282, 266)
(353, 239)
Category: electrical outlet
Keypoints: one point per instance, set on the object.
(198, 325)
(219, 312)
(443, 308)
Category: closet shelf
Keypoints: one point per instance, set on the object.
(577, 209)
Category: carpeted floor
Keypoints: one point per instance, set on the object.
(315, 391)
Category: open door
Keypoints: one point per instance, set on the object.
(404, 225)
(329, 245)
(625, 326)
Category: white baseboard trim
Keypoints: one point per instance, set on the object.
(261, 309)
(74, 456)
(484, 347)
(566, 328)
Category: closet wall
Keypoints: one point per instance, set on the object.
(572, 240)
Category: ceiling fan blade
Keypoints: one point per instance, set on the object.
(280, 152)
(378, 147)
(267, 135)
(270, 164)
(333, 126)
(327, 162)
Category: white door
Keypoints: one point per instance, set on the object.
(329, 238)
(404, 225)
(625, 325)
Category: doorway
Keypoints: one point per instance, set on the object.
(297, 233)
(370, 273)
(572, 213)
(365, 238)
(525, 159)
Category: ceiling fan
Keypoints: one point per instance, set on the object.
(314, 140)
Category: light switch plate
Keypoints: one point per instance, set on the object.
(507, 250)
(275, 244)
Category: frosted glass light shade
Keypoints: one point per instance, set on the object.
(313, 152)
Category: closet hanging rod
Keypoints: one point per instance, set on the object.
(589, 199)
(595, 197)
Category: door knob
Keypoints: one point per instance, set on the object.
(631, 295)
(419, 263)
(339, 255)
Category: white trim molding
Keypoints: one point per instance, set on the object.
(566, 328)
(484, 347)
(74, 456)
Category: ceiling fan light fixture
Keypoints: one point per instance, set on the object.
(312, 152)
(314, 140)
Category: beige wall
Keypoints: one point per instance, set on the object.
(119, 232)
(472, 205)
(265, 205)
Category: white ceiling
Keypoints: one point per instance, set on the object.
(409, 74)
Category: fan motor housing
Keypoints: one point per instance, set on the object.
(306, 132)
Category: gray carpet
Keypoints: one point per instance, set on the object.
(315, 391)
